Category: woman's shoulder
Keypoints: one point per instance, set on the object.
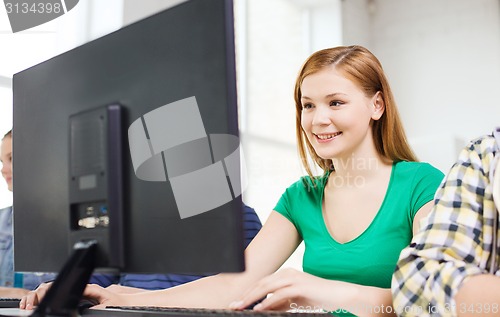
(418, 170)
(309, 182)
(308, 185)
(405, 166)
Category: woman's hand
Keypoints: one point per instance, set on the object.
(105, 297)
(32, 298)
(291, 290)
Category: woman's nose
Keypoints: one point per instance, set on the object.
(321, 116)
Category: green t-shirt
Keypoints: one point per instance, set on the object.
(370, 258)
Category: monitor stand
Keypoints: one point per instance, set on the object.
(64, 295)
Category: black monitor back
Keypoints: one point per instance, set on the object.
(185, 51)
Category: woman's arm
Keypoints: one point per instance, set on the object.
(11, 292)
(275, 242)
(120, 289)
(295, 290)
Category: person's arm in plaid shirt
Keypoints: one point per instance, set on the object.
(454, 243)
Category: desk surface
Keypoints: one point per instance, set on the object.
(14, 312)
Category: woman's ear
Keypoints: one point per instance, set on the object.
(378, 106)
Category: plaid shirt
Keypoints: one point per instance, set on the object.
(455, 240)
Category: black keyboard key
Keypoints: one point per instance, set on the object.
(6, 302)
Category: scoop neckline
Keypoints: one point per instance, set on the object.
(363, 234)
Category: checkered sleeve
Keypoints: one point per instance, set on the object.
(450, 246)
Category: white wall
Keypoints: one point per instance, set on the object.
(134, 10)
(357, 22)
(280, 35)
(442, 58)
(88, 20)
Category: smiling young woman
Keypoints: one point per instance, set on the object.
(355, 218)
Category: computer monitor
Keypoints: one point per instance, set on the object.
(79, 176)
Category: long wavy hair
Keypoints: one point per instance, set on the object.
(361, 67)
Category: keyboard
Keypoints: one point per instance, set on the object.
(148, 311)
(6, 302)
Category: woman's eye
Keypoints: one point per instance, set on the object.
(335, 103)
(307, 106)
